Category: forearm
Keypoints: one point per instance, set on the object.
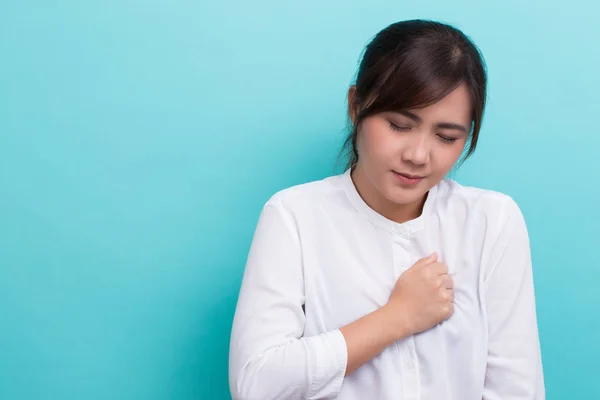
(370, 335)
(308, 367)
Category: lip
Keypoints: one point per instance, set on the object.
(408, 179)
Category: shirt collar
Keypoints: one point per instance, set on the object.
(406, 229)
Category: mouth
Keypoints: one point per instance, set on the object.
(408, 178)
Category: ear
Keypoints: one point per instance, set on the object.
(352, 104)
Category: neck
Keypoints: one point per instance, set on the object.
(375, 199)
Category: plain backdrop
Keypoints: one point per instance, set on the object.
(140, 139)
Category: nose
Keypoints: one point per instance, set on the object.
(416, 150)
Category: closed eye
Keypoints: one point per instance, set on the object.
(447, 139)
(402, 128)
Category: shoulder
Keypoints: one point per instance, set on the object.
(313, 194)
(483, 204)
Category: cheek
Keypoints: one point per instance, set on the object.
(376, 143)
(447, 156)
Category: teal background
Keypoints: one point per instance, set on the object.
(139, 140)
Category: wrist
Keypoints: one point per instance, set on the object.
(395, 322)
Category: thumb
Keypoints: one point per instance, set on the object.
(431, 258)
(427, 260)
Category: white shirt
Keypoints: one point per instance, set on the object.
(321, 258)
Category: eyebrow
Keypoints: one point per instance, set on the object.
(443, 125)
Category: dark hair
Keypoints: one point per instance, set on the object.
(413, 64)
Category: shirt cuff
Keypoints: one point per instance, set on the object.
(332, 360)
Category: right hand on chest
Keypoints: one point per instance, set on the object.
(423, 295)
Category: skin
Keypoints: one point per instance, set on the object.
(416, 148)
(424, 142)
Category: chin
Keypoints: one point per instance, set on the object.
(404, 196)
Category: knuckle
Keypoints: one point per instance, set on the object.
(448, 309)
(444, 268)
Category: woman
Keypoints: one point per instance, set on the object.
(391, 281)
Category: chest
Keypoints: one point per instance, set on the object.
(352, 274)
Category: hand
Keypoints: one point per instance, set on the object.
(422, 297)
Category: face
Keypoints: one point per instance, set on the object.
(404, 154)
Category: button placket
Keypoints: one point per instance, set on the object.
(408, 356)
(410, 370)
(401, 254)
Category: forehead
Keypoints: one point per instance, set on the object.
(455, 106)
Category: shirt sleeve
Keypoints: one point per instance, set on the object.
(269, 357)
(514, 363)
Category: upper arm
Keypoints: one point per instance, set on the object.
(270, 358)
(273, 280)
(269, 308)
(514, 369)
